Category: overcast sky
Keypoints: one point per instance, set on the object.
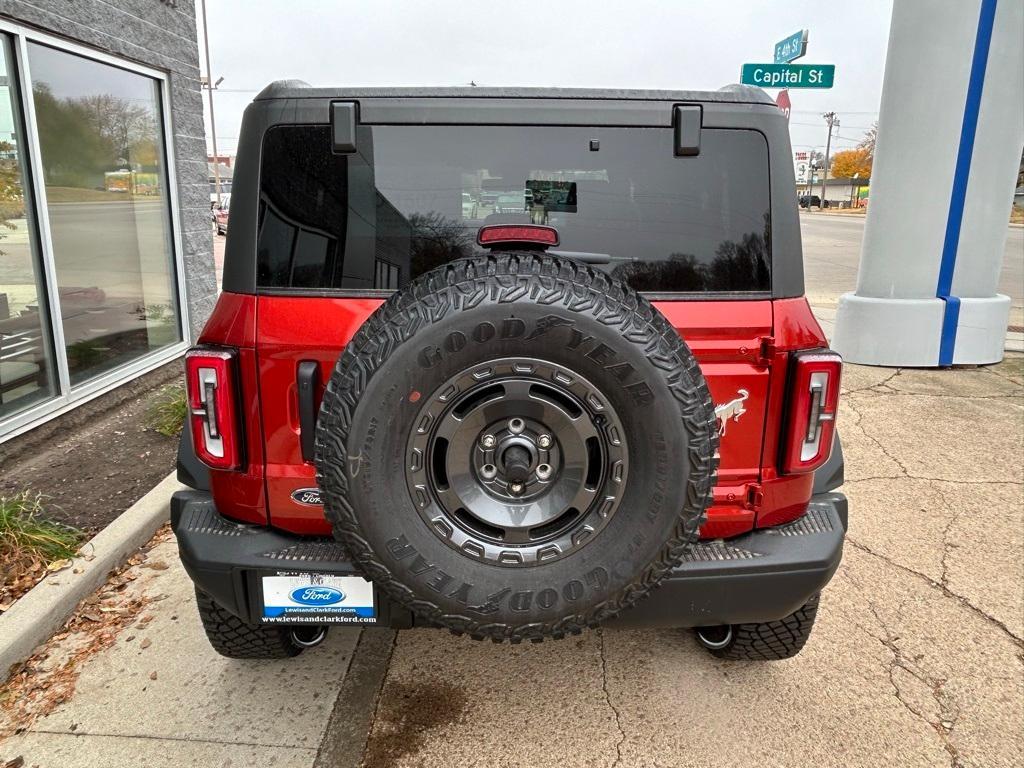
(558, 43)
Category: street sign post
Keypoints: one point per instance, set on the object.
(788, 75)
(792, 48)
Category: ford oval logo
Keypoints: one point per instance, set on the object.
(317, 595)
(308, 496)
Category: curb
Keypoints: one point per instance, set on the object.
(44, 609)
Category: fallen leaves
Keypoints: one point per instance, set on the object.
(48, 678)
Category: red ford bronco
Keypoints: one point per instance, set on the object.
(513, 363)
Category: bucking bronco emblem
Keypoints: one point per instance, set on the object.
(731, 411)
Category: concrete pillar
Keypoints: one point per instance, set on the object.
(950, 134)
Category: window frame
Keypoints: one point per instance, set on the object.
(68, 396)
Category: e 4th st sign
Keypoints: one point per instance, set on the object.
(788, 75)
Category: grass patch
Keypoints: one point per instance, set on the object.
(167, 414)
(29, 545)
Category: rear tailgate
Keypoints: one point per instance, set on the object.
(725, 336)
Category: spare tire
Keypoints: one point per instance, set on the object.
(516, 446)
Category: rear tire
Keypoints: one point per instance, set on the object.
(525, 400)
(236, 639)
(768, 641)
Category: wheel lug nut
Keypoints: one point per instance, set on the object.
(516, 426)
(543, 471)
(544, 441)
(488, 471)
(487, 441)
(516, 488)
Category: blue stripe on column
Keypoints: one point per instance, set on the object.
(968, 130)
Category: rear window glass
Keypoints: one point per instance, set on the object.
(413, 197)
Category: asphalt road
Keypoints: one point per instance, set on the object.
(832, 254)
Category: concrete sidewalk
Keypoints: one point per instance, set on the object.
(159, 696)
(915, 661)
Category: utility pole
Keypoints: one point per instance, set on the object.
(831, 119)
(210, 87)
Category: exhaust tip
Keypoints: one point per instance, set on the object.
(715, 638)
(309, 637)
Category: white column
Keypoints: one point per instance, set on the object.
(950, 135)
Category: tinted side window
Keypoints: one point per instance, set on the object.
(303, 209)
(413, 197)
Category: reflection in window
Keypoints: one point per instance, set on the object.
(415, 196)
(107, 195)
(26, 362)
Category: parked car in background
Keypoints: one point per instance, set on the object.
(512, 203)
(220, 214)
(809, 201)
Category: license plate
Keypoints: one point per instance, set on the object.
(293, 597)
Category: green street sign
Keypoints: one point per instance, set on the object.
(792, 48)
(788, 75)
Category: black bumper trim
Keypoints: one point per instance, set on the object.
(760, 576)
(781, 568)
(223, 557)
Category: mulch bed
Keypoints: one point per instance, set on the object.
(90, 474)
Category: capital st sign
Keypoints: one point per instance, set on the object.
(788, 75)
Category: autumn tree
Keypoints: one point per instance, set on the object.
(12, 205)
(850, 163)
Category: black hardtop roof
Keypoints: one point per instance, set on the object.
(297, 89)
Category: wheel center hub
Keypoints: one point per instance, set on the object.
(516, 461)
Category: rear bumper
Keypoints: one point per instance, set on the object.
(760, 576)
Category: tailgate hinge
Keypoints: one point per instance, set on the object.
(767, 350)
(753, 497)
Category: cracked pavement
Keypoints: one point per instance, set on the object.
(917, 658)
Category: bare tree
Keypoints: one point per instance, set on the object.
(868, 142)
(123, 124)
(437, 239)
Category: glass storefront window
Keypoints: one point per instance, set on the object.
(102, 154)
(26, 361)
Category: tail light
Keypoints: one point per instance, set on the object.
(210, 378)
(510, 234)
(813, 403)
